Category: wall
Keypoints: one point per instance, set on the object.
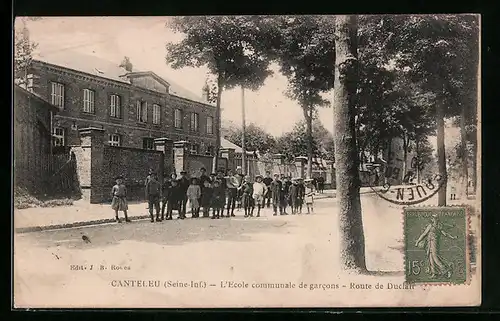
(32, 142)
(196, 162)
(132, 163)
(131, 131)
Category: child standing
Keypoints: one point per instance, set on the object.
(206, 197)
(301, 190)
(119, 199)
(173, 196)
(247, 189)
(193, 195)
(309, 195)
(259, 190)
(293, 196)
(153, 194)
(218, 198)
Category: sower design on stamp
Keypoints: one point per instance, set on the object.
(436, 248)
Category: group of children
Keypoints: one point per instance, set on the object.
(214, 192)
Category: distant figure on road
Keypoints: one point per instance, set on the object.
(193, 194)
(321, 184)
(153, 194)
(119, 199)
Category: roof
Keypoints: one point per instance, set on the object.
(224, 143)
(36, 96)
(100, 67)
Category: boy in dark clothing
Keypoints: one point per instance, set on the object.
(206, 198)
(301, 191)
(268, 195)
(247, 190)
(218, 197)
(165, 190)
(284, 194)
(293, 196)
(153, 193)
(276, 186)
(173, 197)
(183, 185)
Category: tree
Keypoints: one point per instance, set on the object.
(294, 143)
(225, 45)
(23, 54)
(352, 243)
(303, 46)
(420, 42)
(126, 64)
(256, 138)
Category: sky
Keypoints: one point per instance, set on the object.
(143, 39)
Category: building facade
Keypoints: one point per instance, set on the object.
(133, 108)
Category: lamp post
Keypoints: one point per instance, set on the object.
(243, 135)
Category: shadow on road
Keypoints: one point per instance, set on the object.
(175, 232)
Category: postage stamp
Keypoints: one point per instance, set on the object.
(436, 245)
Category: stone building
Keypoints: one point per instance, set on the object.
(133, 108)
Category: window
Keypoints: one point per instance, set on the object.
(59, 136)
(142, 111)
(209, 151)
(88, 101)
(194, 121)
(57, 94)
(178, 118)
(114, 140)
(210, 125)
(148, 143)
(156, 114)
(115, 109)
(195, 148)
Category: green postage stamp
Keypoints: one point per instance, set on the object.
(436, 245)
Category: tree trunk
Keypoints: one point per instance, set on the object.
(405, 157)
(417, 165)
(308, 116)
(441, 153)
(464, 151)
(352, 241)
(215, 163)
(243, 134)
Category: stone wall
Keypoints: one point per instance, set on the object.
(99, 164)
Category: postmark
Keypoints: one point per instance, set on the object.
(410, 193)
(436, 245)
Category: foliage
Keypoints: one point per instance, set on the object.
(23, 54)
(256, 138)
(294, 143)
(225, 45)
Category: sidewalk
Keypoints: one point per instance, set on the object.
(81, 213)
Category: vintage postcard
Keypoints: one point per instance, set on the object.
(247, 161)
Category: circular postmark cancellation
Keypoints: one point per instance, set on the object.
(386, 179)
